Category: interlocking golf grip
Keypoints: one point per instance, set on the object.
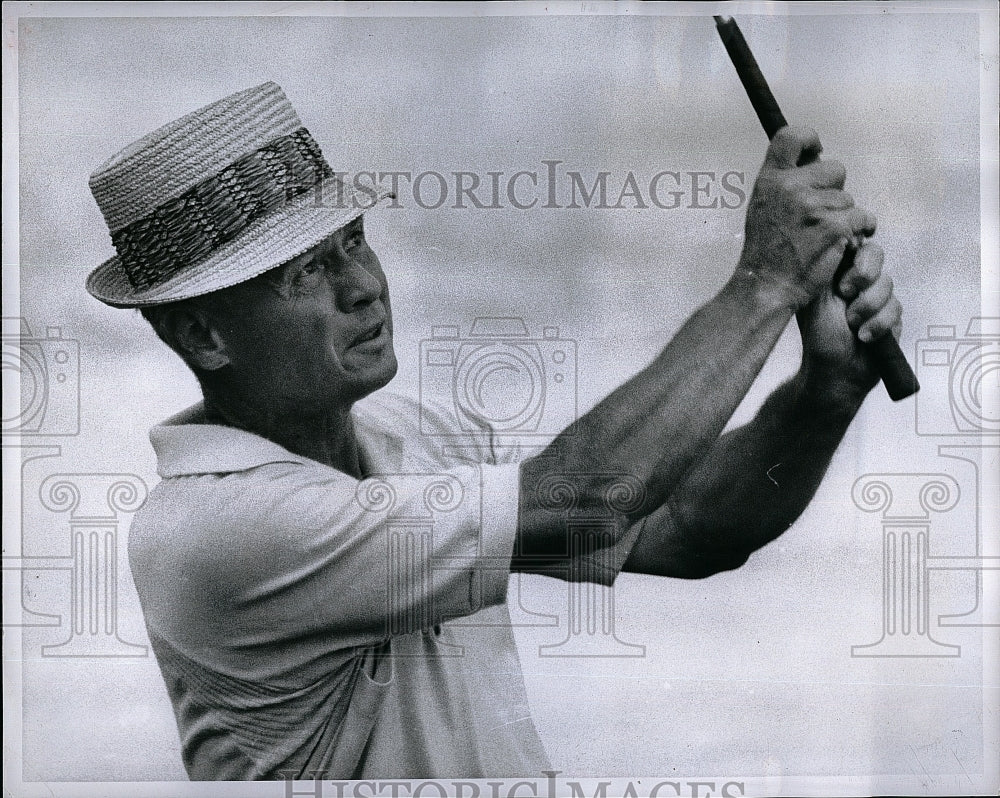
(899, 379)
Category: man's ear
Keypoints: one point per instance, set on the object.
(196, 337)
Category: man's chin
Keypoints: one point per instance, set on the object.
(375, 379)
(391, 367)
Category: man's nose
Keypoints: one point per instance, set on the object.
(357, 286)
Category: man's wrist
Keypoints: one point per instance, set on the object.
(830, 391)
(759, 293)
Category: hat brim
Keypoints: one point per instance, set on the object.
(276, 238)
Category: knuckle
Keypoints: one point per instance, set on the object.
(786, 133)
(806, 133)
(871, 269)
(811, 203)
(868, 303)
(839, 228)
(795, 133)
(860, 220)
(797, 137)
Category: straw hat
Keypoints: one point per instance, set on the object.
(215, 198)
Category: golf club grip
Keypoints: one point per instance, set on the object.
(896, 374)
(899, 379)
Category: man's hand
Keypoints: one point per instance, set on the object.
(862, 309)
(662, 427)
(799, 219)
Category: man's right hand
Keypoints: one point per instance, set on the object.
(799, 219)
(660, 425)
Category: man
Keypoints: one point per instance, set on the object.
(300, 631)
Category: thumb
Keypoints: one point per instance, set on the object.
(806, 315)
(793, 146)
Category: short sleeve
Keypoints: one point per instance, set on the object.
(590, 555)
(295, 555)
(593, 556)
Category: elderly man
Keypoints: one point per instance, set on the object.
(297, 637)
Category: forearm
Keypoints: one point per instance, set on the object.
(653, 429)
(752, 484)
(659, 422)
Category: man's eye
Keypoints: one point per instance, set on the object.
(308, 273)
(355, 240)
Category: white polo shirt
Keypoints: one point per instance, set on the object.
(300, 617)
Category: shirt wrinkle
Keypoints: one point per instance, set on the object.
(302, 627)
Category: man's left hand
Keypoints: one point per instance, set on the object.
(834, 325)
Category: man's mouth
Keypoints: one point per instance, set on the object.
(369, 334)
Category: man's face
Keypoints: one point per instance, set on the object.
(317, 331)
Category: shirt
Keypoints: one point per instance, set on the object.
(304, 620)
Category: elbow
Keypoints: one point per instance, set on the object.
(687, 563)
(706, 549)
(703, 564)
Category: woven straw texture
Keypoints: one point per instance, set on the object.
(138, 185)
(168, 161)
(282, 235)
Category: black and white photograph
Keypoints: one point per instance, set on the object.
(501, 400)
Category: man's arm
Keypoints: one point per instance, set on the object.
(755, 481)
(658, 425)
(748, 489)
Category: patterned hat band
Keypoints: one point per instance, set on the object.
(188, 228)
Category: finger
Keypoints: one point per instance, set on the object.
(792, 146)
(827, 174)
(830, 200)
(849, 225)
(863, 223)
(869, 302)
(882, 322)
(865, 270)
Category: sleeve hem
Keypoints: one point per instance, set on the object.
(498, 532)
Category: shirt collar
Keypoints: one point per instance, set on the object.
(186, 444)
